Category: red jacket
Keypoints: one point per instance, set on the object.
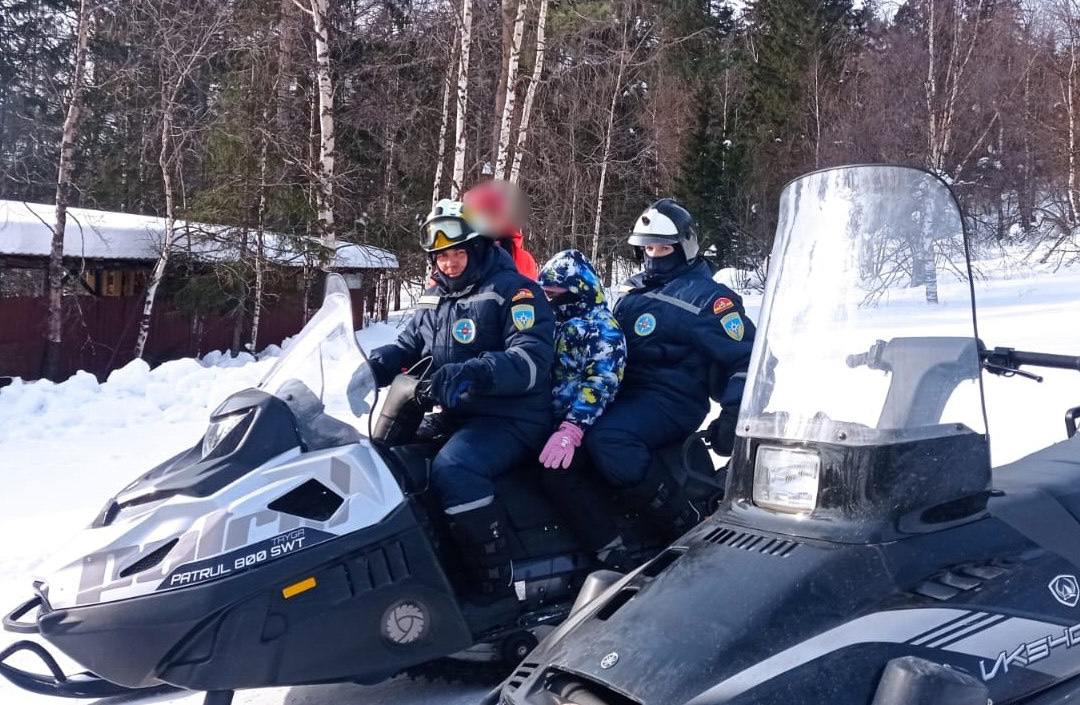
(525, 263)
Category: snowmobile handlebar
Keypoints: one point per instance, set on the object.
(1008, 358)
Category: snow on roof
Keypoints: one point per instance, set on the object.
(26, 229)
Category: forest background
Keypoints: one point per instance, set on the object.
(342, 120)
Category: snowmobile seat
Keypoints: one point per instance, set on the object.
(1054, 470)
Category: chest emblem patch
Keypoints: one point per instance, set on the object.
(524, 316)
(733, 325)
(722, 304)
(645, 324)
(464, 330)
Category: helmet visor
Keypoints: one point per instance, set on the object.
(443, 233)
(641, 240)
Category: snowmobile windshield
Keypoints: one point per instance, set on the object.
(867, 330)
(324, 371)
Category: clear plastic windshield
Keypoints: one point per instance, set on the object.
(867, 331)
(324, 371)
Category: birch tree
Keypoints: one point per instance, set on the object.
(184, 39)
(69, 138)
(318, 10)
(608, 131)
(513, 60)
(530, 92)
(444, 122)
(457, 179)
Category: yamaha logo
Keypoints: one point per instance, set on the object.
(405, 622)
(1065, 590)
(609, 660)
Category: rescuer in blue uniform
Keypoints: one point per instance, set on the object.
(679, 325)
(489, 332)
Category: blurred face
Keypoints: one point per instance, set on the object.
(659, 250)
(452, 262)
(554, 291)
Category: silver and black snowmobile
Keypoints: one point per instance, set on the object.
(287, 547)
(865, 551)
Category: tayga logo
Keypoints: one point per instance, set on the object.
(244, 558)
(1031, 652)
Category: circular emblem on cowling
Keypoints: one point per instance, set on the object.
(609, 660)
(405, 622)
(1065, 590)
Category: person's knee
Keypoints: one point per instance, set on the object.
(618, 454)
(457, 483)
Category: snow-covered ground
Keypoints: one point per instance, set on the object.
(65, 448)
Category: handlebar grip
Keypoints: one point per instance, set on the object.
(1037, 359)
(857, 360)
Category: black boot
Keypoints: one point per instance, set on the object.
(587, 509)
(663, 502)
(485, 554)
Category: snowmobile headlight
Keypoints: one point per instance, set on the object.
(786, 480)
(220, 428)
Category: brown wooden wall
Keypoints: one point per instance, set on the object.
(99, 332)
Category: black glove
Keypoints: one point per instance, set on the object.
(456, 380)
(722, 432)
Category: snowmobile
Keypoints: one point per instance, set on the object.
(287, 548)
(865, 551)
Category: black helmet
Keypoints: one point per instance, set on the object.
(666, 223)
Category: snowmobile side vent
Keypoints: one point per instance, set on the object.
(616, 603)
(662, 562)
(311, 500)
(521, 675)
(150, 559)
(748, 541)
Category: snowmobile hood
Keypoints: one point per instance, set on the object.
(279, 469)
(571, 270)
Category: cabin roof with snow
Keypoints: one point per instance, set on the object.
(26, 232)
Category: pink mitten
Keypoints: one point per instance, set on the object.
(559, 450)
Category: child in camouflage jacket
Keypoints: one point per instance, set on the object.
(590, 352)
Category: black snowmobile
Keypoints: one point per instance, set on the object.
(865, 552)
(287, 548)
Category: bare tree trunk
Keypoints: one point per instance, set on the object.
(530, 93)
(595, 251)
(173, 78)
(458, 177)
(510, 98)
(443, 125)
(68, 140)
(931, 87)
(506, 32)
(319, 11)
(1070, 104)
(165, 162)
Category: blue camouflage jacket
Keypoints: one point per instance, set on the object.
(590, 349)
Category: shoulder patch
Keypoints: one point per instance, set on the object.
(523, 294)
(645, 324)
(464, 330)
(524, 316)
(733, 326)
(722, 304)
